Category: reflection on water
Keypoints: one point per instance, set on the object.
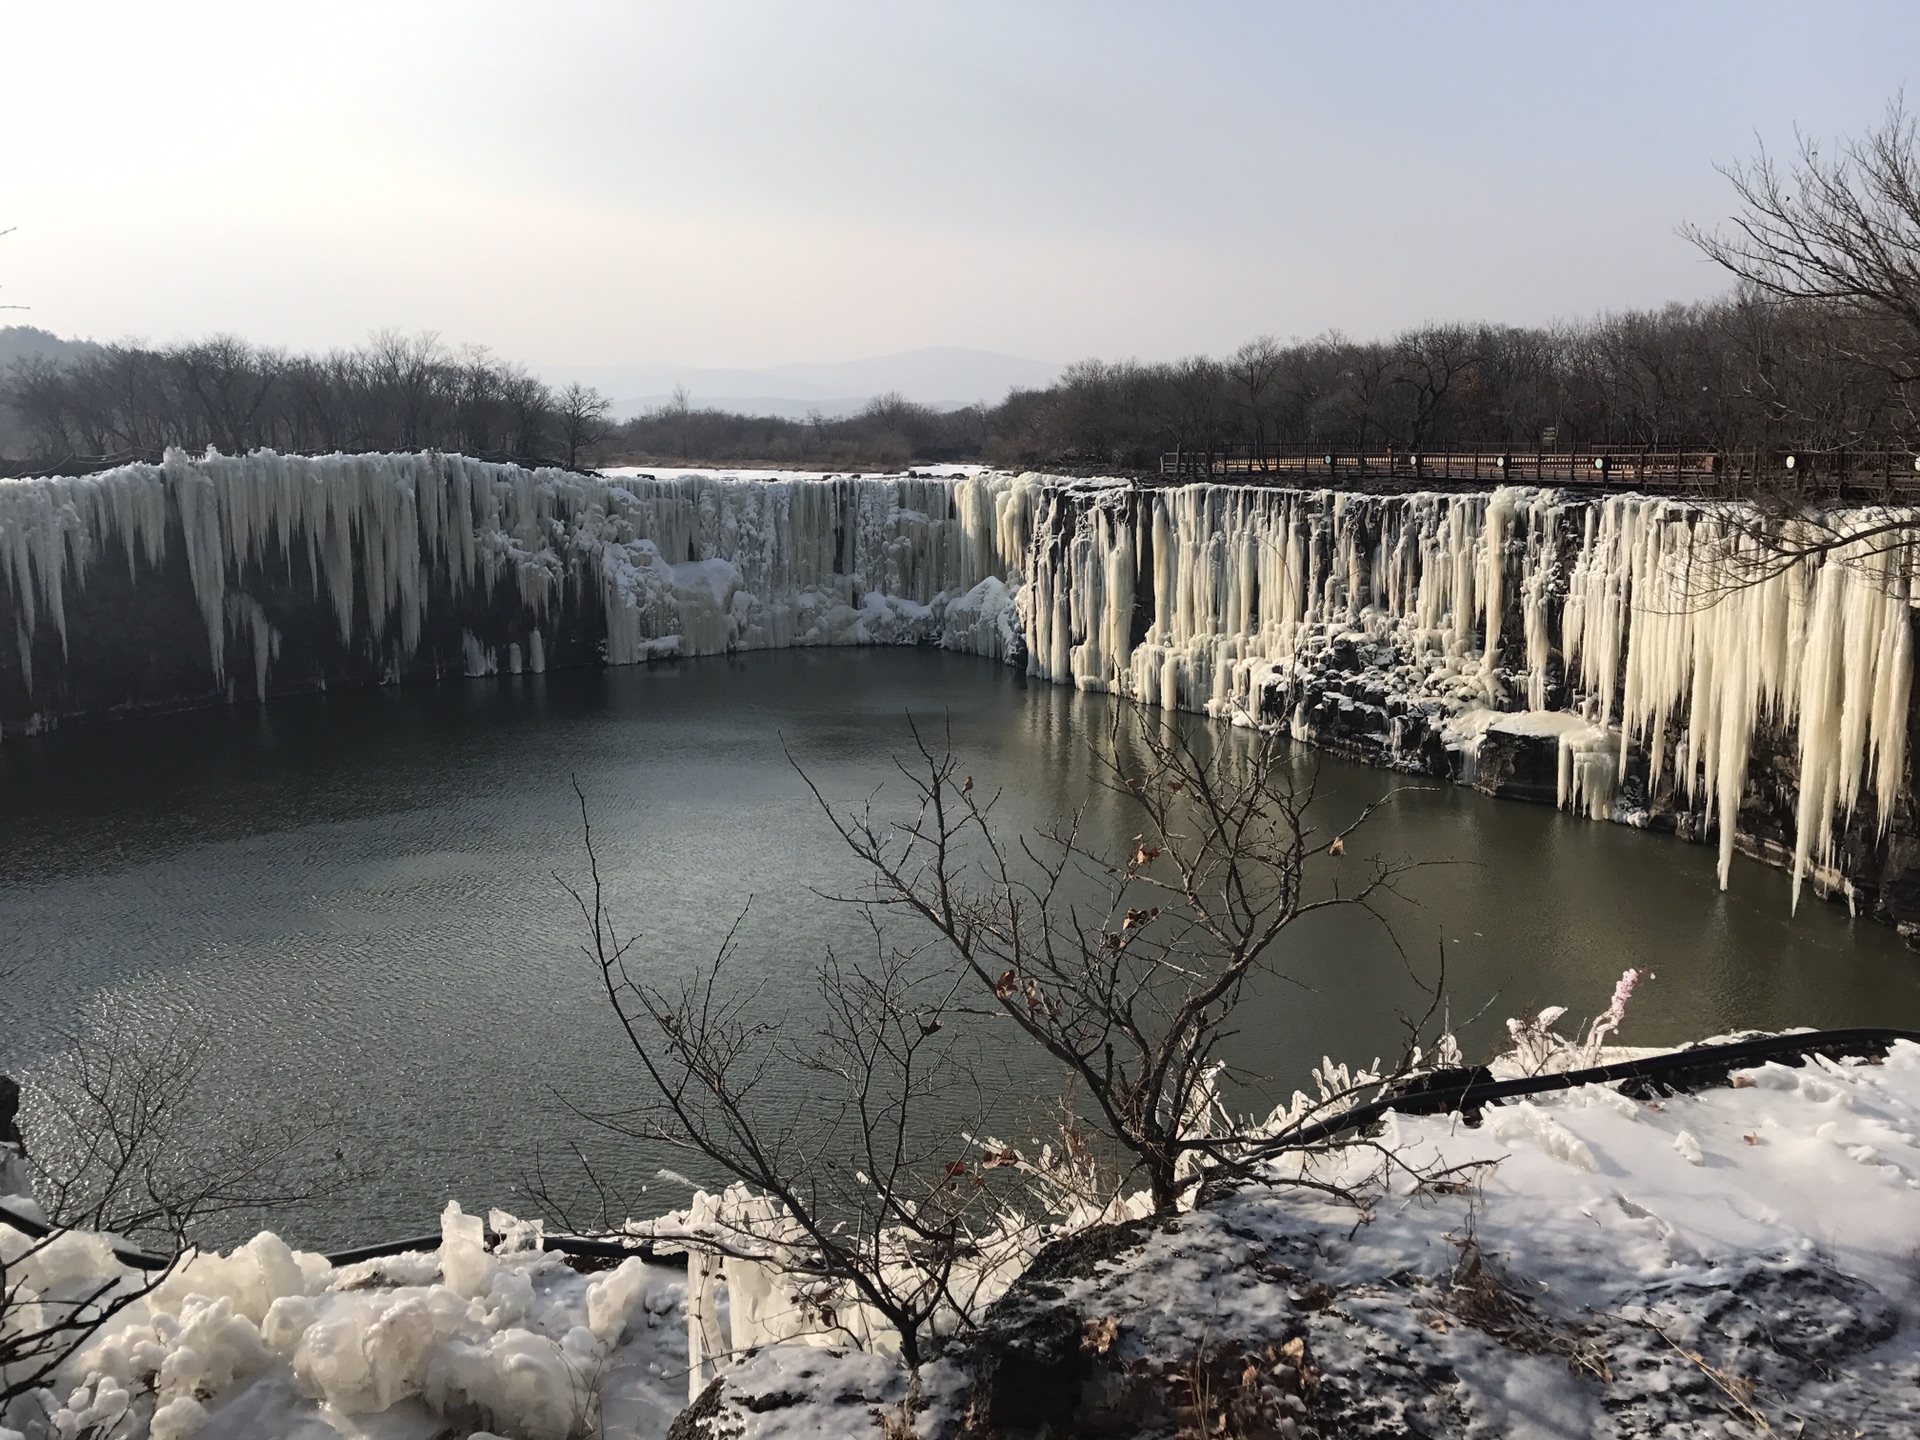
(354, 896)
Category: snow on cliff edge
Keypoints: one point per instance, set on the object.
(1679, 1266)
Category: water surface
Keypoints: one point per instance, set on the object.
(353, 898)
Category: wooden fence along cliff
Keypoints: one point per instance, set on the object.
(1839, 474)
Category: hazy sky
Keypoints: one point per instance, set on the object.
(745, 183)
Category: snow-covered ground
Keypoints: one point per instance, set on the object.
(1578, 1264)
(1699, 1265)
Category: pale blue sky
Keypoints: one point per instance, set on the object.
(747, 184)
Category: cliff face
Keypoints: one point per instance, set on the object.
(1631, 658)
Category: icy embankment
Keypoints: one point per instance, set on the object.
(1629, 658)
(463, 566)
(1584, 1265)
(1578, 1264)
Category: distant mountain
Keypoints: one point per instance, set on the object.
(942, 376)
(24, 342)
(930, 376)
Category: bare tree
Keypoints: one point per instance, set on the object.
(1427, 364)
(678, 412)
(1832, 239)
(1255, 368)
(117, 1136)
(230, 382)
(409, 375)
(581, 413)
(1127, 969)
(1364, 375)
(1841, 230)
(867, 1207)
(1188, 400)
(530, 408)
(125, 1138)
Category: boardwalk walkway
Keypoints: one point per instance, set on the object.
(1840, 474)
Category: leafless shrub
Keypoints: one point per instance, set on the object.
(1236, 1394)
(1125, 969)
(861, 1207)
(120, 1136)
(1478, 1293)
(124, 1137)
(556, 1196)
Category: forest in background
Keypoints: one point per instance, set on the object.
(1748, 370)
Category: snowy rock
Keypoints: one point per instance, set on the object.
(1563, 1298)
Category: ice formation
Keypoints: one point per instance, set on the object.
(750, 1283)
(1624, 629)
(250, 1343)
(691, 564)
(1674, 634)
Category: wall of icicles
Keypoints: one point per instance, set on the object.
(1646, 645)
(197, 579)
(1637, 638)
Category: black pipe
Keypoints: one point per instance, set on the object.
(1439, 1092)
(585, 1246)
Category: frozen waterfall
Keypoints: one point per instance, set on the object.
(1626, 632)
(693, 565)
(1658, 623)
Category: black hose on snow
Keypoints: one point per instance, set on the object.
(1440, 1092)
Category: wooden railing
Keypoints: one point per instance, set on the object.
(1851, 474)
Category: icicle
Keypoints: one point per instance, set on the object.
(1499, 516)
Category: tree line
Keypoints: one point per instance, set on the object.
(1742, 371)
(1748, 370)
(396, 392)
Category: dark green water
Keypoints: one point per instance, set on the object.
(352, 899)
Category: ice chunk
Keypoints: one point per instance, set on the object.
(613, 1297)
(464, 1261)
